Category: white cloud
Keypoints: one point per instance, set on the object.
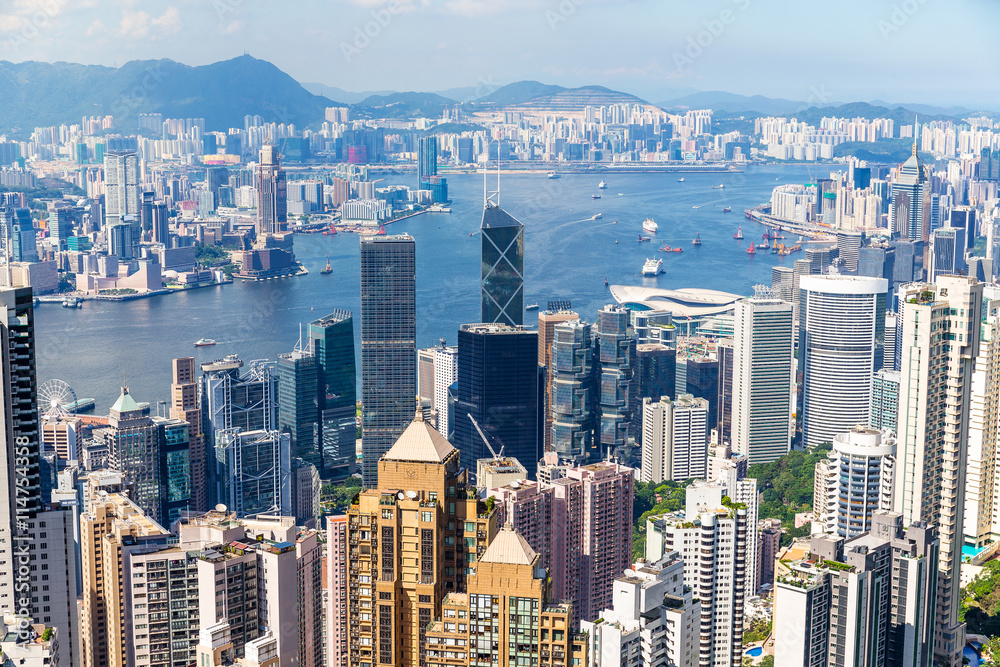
(139, 24)
(170, 22)
(96, 28)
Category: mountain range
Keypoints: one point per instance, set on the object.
(45, 94)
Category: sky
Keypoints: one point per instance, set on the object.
(904, 51)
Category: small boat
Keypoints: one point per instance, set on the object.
(605, 281)
(739, 234)
(614, 222)
(531, 306)
(697, 239)
(666, 248)
(616, 241)
(652, 267)
(595, 196)
(326, 270)
(204, 342)
(621, 194)
(471, 233)
(553, 174)
(650, 225)
(597, 216)
(602, 186)
(680, 180)
(763, 246)
(728, 209)
(751, 250)
(719, 187)
(72, 302)
(643, 239)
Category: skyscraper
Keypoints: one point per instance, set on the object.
(184, 405)
(298, 403)
(254, 472)
(427, 155)
(982, 516)
(502, 267)
(388, 344)
(906, 214)
(615, 363)
(272, 192)
(655, 375)
(23, 246)
(547, 320)
(841, 335)
(60, 227)
(933, 429)
(855, 480)
(160, 223)
(572, 394)
(947, 256)
(332, 341)
(762, 377)
(674, 439)
(885, 399)
(498, 384)
(121, 186)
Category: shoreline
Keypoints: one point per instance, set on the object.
(59, 298)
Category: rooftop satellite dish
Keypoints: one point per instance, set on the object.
(411, 494)
(220, 508)
(400, 495)
(514, 484)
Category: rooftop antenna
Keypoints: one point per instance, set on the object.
(492, 199)
(915, 127)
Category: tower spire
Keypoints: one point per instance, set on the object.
(916, 127)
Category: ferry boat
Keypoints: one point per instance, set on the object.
(652, 267)
(597, 216)
(595, 196)
(727, 210)
(204, 342)
(739, 234)
(553, 174)
(73, 302)
(326, 270)
(531, 306)
(720, 186)
(602, 186)
(650, 225)
(697, 239)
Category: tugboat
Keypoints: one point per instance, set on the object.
(326, 270)
(751, 250)
(697, 239)
(739, 234)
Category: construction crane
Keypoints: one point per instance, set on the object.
(485, 440)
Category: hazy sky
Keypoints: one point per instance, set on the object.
(931, 51)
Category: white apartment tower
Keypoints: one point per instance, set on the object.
(940, 342)
(762, 377)
(841, 335)
(445, 375)
(855, 480)
(981, 524)
(674, 438)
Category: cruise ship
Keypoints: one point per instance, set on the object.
(650, 225)
(602, 186)
(652, 267)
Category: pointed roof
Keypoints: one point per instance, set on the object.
(125, 402)
(494, 216)
(509, 548)
(420, 442)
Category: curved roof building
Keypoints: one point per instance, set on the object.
(683, 303)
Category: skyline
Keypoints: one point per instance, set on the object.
(658, 51)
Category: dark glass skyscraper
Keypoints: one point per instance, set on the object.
(298, 403)
(503, 267)
(388, 345)
(498, 384)
(615, 362)
(426, 160)
(572, 395)
(332, 341)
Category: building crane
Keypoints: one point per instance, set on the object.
(485, 440)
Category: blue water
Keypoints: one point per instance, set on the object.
(567, 256)
(971, 655)
(755, 652)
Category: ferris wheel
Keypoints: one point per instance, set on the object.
(53, 398)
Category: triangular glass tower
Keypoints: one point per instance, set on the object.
(503, 265)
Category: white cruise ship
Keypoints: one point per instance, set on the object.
(652, 267)
(650, 225)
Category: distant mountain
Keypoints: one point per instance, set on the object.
(535, 95)
(41, 94)
(899, 115)
(344, 96)
(519, 93)
(403, 105)
(718, 100)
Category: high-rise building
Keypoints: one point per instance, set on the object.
(885, 399)
(134, 449)
(184, 405)
(421, 504)
(654, 377)
(160, 223)
(60, 227)
(332, 341)
(579, 520)
(716, 537)
(878, 262)
(120, 243)
(906, 212)
(502, 267)
(388, 344)
(674, 438)
(498, 384)
(725, 351)
(855, 480)
(762, 377)
(547, 321)
(272, 192)
(947, 258)
(445, 375)
(427, 159)
(337, 641)
(848, 246)
(253, 472)
(782, 278)
(572, 395)
(653, 619)
(963, 220)
(174, 449)
(768, 544)
(615, 363)
(121, 186)
(933, 429)
(841, 334)
(298, 403)
(23, 245)
(981, 524)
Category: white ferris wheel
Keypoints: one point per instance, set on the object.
(54, 397)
